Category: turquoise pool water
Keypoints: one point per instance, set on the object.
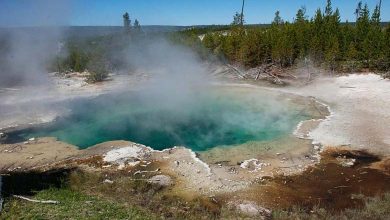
(199, 121)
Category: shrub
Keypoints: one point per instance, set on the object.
(97, 71)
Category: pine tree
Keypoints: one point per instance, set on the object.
(251, 51)
(328, 9)
(376, 16)
(277, 20)
(232, 44)
(332, 34)
(347, 36)
(331, 55)
(301, 15)
(237, 18)
(317, 40)
(362, 30)
(336, 17)
(375, 39)
(386, 51)
(352, 53)
(137, 25)
(208, 41)
(301, 33)
(126, 22)
(358, 11)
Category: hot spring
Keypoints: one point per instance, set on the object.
(223, 116)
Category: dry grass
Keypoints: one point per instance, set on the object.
(135, 191)
(374, 208)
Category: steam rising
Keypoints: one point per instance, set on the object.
(26, 51)
(176, 72)
(177, 105)
(25, 61)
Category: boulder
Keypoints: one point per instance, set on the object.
(162, 180)
(252, 209)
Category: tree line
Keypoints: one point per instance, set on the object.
(322, 39)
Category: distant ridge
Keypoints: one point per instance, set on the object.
(93, 31)
(89, 31)
(105, 30)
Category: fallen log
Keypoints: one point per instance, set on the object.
(258, 74)
(37, 201)
(276, 79)
(291, 75)
(238, 72)
(146, 171)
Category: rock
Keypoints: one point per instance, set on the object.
(126, 156)
(346, 162)
(232, 170)
(251, 209)
(162, 180)
(31, 139)
(252, 164)
(108, 181)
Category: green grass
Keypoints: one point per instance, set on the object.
(73, 205)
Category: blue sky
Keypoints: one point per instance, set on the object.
(162, 12)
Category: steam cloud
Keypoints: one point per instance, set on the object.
(26, 51)
(177, 96)
(176, 72)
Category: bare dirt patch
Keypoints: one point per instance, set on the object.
(328, 184)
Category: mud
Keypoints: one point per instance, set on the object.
(327, 184)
